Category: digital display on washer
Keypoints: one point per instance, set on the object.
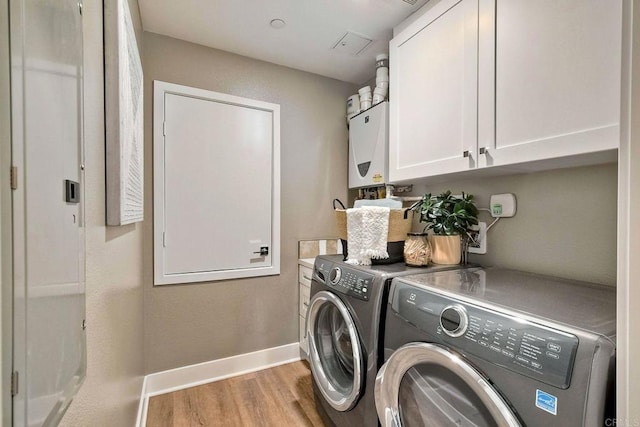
(524, 347)
(350, 282)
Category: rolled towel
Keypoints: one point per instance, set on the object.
(367, 230)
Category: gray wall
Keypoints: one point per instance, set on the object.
(565, 223)
(111, 392)
(192, 323)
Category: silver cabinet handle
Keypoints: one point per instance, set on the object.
(306, 277)
(306, 304)
(465, 153)
(483, 150)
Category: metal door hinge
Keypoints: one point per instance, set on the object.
(14, 383)
(164, 239)
(164, 128)
(13, 177)
(80, 7)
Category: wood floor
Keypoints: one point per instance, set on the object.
(280, 396)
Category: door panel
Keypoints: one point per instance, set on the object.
(49, 337)
(550, 79)
(434, 86)
(214, 142)
(216, 186)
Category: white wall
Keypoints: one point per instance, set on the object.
(628, 370)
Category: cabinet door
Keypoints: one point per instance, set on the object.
(433, 106)
(549, 75)
(216, 186)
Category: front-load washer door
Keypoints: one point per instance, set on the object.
(335, 355)
(426, 384)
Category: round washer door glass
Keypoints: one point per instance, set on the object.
(334, 351)
(434, 396)
(426, 384)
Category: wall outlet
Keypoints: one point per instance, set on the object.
(480, 237)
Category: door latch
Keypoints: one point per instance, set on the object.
(72, 191)
(264, 251)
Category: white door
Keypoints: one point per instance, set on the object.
(49, 290)
(549, 79)
(216, 186)
(433, 93)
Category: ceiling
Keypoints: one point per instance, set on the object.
(313, 28)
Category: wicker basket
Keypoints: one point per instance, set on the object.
(398, 225)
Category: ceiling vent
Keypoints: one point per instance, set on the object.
(352, 44)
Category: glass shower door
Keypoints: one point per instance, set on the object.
(49, 286)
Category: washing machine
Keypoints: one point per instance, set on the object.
(487, 347)
(344, 330)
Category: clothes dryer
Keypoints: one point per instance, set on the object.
(486, 347)
(344, 328)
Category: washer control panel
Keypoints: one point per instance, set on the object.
(350, 282)
(531, 349)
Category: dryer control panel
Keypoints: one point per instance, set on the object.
(350, 282)
(528, 348)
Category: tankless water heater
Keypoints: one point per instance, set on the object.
(368, 147)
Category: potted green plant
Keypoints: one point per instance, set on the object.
(450, 218)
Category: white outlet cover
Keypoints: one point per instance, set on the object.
(482, 248)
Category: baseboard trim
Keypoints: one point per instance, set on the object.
(141, 420)
(214, 370)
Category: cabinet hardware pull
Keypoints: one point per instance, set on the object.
(306, 304)
(465, 153)
(306, 277)
(264, 251)
(483, 150)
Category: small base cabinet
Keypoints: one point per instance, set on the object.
(304, 284)
(308, 250)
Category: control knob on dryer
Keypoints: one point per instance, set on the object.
(454, 320)
(334, 275)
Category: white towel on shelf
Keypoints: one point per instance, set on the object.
(367, 229)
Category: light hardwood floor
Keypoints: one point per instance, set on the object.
(280, 396)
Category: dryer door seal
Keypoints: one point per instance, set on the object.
(335, 355)
(390, 376)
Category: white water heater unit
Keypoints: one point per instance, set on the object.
(368, 147)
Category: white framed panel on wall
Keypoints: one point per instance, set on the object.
(216, 186)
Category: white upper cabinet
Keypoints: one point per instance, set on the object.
(549, 79)
(434, 80)
(484, 83)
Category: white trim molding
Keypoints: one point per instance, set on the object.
(214, 370)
